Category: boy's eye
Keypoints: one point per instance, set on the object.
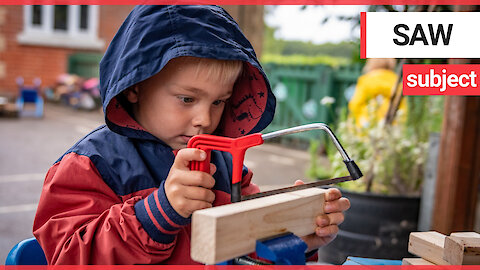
(185, 99)
(219, 102)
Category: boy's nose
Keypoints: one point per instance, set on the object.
(202, 118)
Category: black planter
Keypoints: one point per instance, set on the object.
(375, 226)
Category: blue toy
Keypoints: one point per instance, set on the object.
(283, 249)
(370, 261)
(27, 252)
(286, 249)
(29, 95)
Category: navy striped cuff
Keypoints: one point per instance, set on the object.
(158, 217)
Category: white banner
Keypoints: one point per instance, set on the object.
(422, 35)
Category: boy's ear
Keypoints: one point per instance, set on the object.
(132, 94)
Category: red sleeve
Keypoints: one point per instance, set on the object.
(80, 220)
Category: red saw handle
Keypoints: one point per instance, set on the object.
(235, 146)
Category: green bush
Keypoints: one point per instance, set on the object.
(391, 157)
(303, 60)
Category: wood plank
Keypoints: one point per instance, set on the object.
(225, 232)
(428, 245)
(415, 261)
(462, 248)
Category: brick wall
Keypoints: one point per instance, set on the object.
(111, 17)
(40, 61)
(47, 62)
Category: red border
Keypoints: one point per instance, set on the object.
(363, 35)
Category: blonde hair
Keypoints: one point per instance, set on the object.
(379, 63)
(225, 70)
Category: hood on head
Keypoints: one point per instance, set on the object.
(153, 35)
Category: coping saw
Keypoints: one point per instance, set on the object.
(238, 146)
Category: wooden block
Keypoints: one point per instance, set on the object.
(415, 261)
(428, 245)
(466, 234)
(225, 232)
(462, 248)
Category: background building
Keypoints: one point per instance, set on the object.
(46, 41)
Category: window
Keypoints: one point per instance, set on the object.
(83, 17)
(37, 15)
(70, 26)
(60, 18)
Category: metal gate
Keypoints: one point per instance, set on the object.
(300, 89)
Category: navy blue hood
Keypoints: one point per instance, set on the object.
(153, 35)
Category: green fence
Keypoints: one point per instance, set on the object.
(84, 64)
(300, 89)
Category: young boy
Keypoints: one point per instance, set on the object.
(124, 193)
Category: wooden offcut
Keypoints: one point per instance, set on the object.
(462, 248)
(466, 234)
(428, 245)
(415, 261)
(225, 232)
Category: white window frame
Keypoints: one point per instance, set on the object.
(73, 37)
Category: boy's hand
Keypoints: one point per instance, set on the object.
(187, 190)
(327, 223)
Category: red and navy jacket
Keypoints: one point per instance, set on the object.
(103, 201)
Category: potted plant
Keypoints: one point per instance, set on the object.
(385, 202)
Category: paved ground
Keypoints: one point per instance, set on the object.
(28, 147)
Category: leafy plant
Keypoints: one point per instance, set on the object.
(280, 51)
(391, 157)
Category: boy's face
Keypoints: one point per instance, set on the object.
(179, 103)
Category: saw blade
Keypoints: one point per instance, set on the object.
(300, 187)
